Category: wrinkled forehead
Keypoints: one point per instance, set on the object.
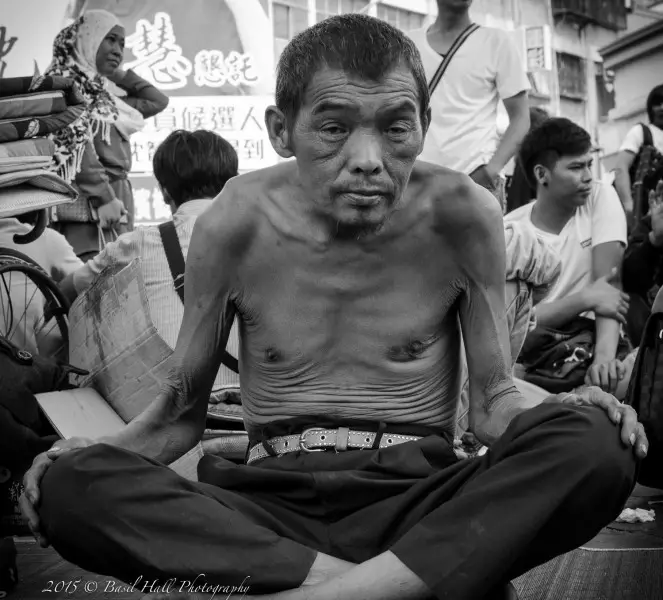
(334, 90)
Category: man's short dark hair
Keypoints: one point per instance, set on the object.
(552, 139)
(357, 44)
(654, 99)
(194, 164)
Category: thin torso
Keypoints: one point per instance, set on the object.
(349, 329)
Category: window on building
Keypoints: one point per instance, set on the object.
(329, 8)
(572, 76)
(290, 17)
(406, 20)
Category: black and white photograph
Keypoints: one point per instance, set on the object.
(331, 299)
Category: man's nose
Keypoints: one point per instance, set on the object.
(364, 153)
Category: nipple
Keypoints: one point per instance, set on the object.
(271, 355)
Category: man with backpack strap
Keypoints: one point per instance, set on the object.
(469, 70)
(640, 155)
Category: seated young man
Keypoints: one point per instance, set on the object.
(353, 271)
(191, 168)
(584, 221)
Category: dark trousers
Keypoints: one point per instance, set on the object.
(555, 478)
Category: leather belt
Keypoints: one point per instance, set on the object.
(316, 439)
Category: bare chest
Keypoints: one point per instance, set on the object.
(346, 305)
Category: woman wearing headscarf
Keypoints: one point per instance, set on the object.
(94, 152)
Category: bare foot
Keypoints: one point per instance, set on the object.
(326, 567)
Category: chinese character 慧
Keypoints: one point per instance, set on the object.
(159, 59)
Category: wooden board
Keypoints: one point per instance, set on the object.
(80, 412)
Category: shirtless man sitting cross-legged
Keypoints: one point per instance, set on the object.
(353, 271)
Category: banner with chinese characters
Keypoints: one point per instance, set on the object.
(239, 119)
(198, 47)
(214, 59)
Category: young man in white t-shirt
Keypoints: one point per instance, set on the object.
(584, 221)
(487, 68)
(633, 143)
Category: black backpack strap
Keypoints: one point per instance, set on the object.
(174, 256)
(176, 263)
(460, 40)
(647, 138)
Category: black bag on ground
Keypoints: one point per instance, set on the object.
(24, 430)
(557, 359)
(645, 395)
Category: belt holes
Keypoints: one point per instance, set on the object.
(368, 440)
(286, 443)
(323, 437)
(390, 441)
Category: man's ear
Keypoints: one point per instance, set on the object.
(541, 175)
(279, 134)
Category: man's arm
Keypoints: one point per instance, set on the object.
(517, 108)
(494, 398)
(175, 421)
(119, 252)
(605, 259)
(559, 312)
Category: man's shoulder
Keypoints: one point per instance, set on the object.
(242, 204)
(522, 213)
(458, 205)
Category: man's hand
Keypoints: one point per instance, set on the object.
(606, 300)
(111, 213)
(633, 433)
(656, 215)
(485, 177)
(605, 374)
(32, 480)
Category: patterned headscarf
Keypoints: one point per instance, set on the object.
(74, 55)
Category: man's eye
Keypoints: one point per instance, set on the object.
(333, 130)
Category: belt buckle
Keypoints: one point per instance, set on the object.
(302, 440)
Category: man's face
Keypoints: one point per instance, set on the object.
(356, 143)
(571, 179)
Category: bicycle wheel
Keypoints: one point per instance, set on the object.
(33, 311)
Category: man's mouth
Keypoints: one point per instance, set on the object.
(365, 198)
